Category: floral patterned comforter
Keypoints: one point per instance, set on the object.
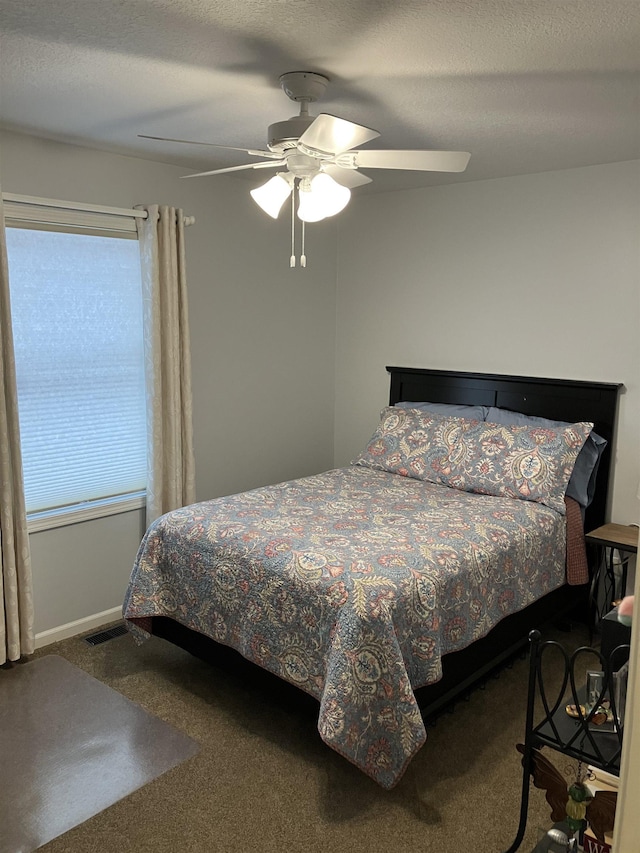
(350, 584)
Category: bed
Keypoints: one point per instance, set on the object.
(386, 588)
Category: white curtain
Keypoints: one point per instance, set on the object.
(16, 591)
(171, 467)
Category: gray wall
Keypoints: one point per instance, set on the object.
(535, 275)
(262, 339)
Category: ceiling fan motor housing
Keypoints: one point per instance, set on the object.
(284, 134)
(303, 85)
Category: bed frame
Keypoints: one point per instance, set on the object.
(563, 400)
(558, 399)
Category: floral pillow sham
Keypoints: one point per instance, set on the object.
(527, 462)
(582, 483)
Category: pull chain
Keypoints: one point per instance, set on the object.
(292, 259)
(303, 257)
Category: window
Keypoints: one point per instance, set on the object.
(76, 305)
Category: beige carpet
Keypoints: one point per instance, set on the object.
(70, 747)
(263, 781)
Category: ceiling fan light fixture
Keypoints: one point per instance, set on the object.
(272, 195)
(323, 197)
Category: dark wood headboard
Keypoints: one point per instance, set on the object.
(559, 399)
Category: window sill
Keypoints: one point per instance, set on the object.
(48, 519)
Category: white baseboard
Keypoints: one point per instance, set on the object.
(62, 632)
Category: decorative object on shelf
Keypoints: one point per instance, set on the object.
(614, 633)
(625, 610)
(573, 804)
(557, 841)
(601, 713)
(620, 679)
(590, 843)
(595, 689)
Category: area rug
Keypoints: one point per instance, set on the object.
(70, 747)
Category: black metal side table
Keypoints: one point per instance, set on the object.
(606, 585)
(577, 737)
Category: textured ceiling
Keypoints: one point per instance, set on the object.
(524, 85)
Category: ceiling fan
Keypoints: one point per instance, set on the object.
(319, 157)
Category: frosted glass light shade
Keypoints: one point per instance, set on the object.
(309, 210)
(325, 197)
(272, 195)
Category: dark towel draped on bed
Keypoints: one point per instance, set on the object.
(577, 566)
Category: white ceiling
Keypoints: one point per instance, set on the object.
(524, 85)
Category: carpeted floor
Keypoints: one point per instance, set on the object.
(263, 781)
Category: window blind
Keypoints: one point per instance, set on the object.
(76, 305)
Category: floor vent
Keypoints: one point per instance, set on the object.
(103, 636)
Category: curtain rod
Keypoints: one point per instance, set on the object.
(90, 208)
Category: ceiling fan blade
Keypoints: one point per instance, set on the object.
(419, 161)
(273, 164)
(253, 151)
(329, 134)
(350, 178)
